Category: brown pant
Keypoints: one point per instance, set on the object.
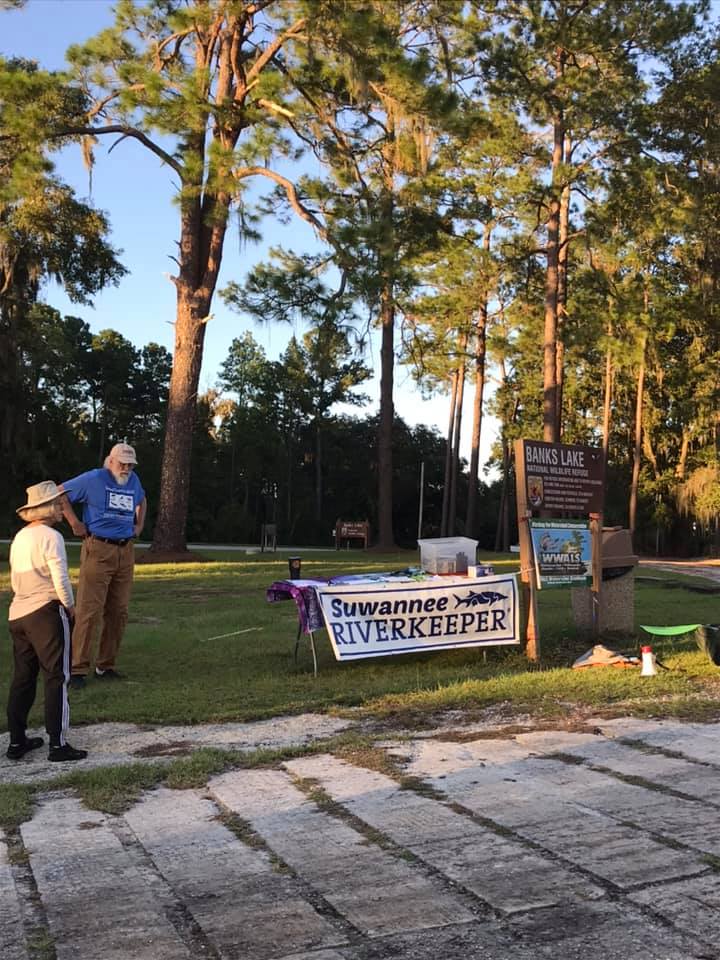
(106, 576)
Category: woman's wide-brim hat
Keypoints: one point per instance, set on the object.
(39, 494)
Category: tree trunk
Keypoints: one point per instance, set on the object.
(11, 388)
(551, 431)
(449, 446)
(479, 352)
(562, 291)
(474, 471)
(502, 530)
(169, 534)
(607, 402)
(507, 464)
(638, 440)
(13, 410)
(649, 453)
(101, 440)
(318, 474)
(203, 222)
(457, 433)
(290, 498)
(386, 539)
(684, 451)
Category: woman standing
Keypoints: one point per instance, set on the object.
(41, 612)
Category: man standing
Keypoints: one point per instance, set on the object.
(114, 509)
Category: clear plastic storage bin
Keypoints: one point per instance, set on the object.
(447, 554)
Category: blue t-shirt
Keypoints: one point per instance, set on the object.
(108, 507)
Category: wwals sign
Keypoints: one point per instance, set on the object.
(563, 552)
(376, 620)
(560, 476)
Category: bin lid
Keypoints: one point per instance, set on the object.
(617, 548)
(448, 543)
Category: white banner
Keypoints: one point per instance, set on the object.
(381, 619)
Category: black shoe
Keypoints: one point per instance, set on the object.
(76, 681)
(108, 674)
(16, 751)
(66, 752)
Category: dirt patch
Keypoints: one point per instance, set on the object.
(495, 717)
(208, 592)
(511, 730)
(505, 720)
(169, 556)
(176, 748)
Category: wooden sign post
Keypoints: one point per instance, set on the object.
(557, 480)
(596, 525)
(527, 566)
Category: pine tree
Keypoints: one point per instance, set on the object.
(573, 70)
(45, 232)
(372, 94)
(199, 86)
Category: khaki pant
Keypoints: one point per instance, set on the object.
(106, 576)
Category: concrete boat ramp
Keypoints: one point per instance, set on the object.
(597, 844)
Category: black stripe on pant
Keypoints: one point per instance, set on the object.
(41, 641)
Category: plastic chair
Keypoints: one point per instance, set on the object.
(268, 537)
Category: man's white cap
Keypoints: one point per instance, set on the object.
(123, 453)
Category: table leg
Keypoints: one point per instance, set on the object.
(312, 646)
(311, 635)
(297, 642)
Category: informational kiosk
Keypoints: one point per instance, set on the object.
(557, 481)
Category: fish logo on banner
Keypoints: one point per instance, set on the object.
(475, 599)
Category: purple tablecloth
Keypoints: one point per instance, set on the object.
(303, 592)
(305, 597)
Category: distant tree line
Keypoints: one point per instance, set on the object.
(257, 437)
(267, 445)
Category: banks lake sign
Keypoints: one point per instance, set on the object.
(553, 481)
(563, 477)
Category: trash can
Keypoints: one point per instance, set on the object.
(708, 641)
(617, 596)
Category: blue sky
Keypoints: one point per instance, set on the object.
(136, 191)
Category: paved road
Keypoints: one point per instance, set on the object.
(601, 844)
(709, 569)
(228, 547)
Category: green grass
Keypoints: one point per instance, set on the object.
(203, 645)
(15, 804)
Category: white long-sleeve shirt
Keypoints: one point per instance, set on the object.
(38, 570)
